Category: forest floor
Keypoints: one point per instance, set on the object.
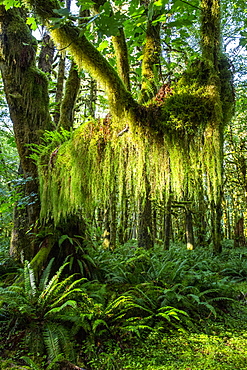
(197, 351)
(212, 334)
(224, 348)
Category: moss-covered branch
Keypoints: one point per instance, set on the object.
(210, 30)
(122, 59)
(87, 57)
(151, 60)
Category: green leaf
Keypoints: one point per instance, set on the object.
(103, 45)
(11, 4)
(88, 4)
(30, 362)
(31, 21)
(64, 12)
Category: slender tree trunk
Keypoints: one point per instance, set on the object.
(239, 237)
(46, 55)
(167, 223)
(59, 88)
(216, 228)
(145, 233)
(121, 53)
(66, 116)
(190, 242)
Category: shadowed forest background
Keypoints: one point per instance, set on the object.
(122, 182)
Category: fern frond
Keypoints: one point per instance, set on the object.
(216, 299)
(65, 342)
(98, 322)
(31, 363)
(52, 285)
(209, 307)
(29, 280)
(168, 312)
(45, 275)
(147, 300)
(64, 296)
(51, 340)
(136, 329)
(69, 303)
(61, 285)
(208, 291)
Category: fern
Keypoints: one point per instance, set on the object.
(29, 280)
(51, 340)
(34, 366)
(45, 275)
(31, 363)
(61, 308)
(30, 309)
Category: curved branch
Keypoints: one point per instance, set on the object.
(87, 57)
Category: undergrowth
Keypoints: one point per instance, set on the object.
(135, 309)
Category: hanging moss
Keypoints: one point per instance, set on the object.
(174, 142)
(95, 161)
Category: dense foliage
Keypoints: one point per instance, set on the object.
(129, 202)
(130, 294)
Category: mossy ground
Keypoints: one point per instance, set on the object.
(224, 348)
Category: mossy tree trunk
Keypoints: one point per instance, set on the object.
(46, 56)
(59, 88)
(67, 106)
(211, 49)
(121, 52)
(26, 90)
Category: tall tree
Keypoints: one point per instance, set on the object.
(26, 89)
(173, 142)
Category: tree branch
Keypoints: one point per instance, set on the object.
(87, 57)
(193, 6)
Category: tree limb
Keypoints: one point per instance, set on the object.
(87, 57)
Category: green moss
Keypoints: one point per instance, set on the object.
(177, 143)
(188, 147)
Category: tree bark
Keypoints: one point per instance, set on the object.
(59, 88)
(122, 59)
(46, 55)
(66, 119)
(151, 60)
(26, 89)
